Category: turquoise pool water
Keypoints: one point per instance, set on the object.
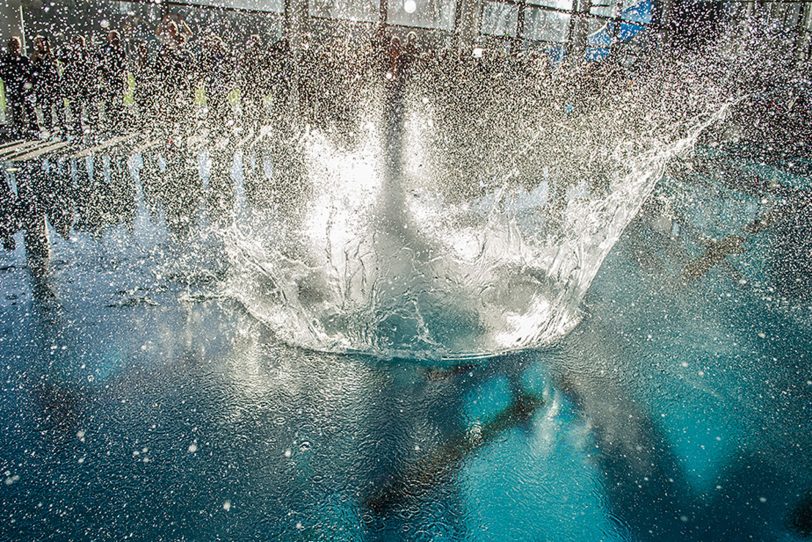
(140, 403)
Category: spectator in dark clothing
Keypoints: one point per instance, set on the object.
(47, 84)
(173, 28)
(216, 73)
(254, 78)
(409, 56)
(175, 68)
(281, 75)
(15, 71)
(79, 82)
(113, 77)
(145, 91)
(394, 58)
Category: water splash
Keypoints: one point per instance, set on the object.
(447, 241)
(466, 279)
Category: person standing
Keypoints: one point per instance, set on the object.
(47, 84)
(410, 55)
(175, 69)
(112, 64)
(16, 73)
(254, 79)
(216, 72)
(279, 61)
(78, 79)
(144, 92)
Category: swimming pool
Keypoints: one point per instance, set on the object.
(140, 402)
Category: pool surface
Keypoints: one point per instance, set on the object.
(139, 401)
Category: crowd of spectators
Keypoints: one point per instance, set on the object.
(78, 87)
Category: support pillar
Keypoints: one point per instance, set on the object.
(803, 44)
(467, 17)
(579, 28)
(295, 24)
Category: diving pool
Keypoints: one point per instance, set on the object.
(139, 402)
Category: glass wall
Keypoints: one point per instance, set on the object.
(500, 19)
(639, 11)
(564, 5)
(615, 22)
(430, 14)
(139, 21)
(545, 25)
(437, 14)
(352, 10)
(531, 20)
(549, 24)
(274, 6)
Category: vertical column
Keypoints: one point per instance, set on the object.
(294, 28)
(750, 7)
(661, 20)
(804, 40)
(579, 28)
(467, 17)
(30, 188)
(295, 24)
(518, 41)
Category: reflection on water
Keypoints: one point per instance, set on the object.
(138, 402)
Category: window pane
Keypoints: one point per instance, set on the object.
(499, 19)
(353, 10)
(543, 25)
(601, 32)
(421, 13)
(258, 5)
(603, 8)
(599, 40)
(565, 5)
(637, 11)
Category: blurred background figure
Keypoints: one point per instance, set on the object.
(254, 77)
(80, 83)
(15, 71)
(144, 92)
(281, 73)
(47, 85)
(173, 28)
(394, 58)
(113, 78)
(174, 73)
(216, 74)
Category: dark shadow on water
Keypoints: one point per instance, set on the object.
(801, 517)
